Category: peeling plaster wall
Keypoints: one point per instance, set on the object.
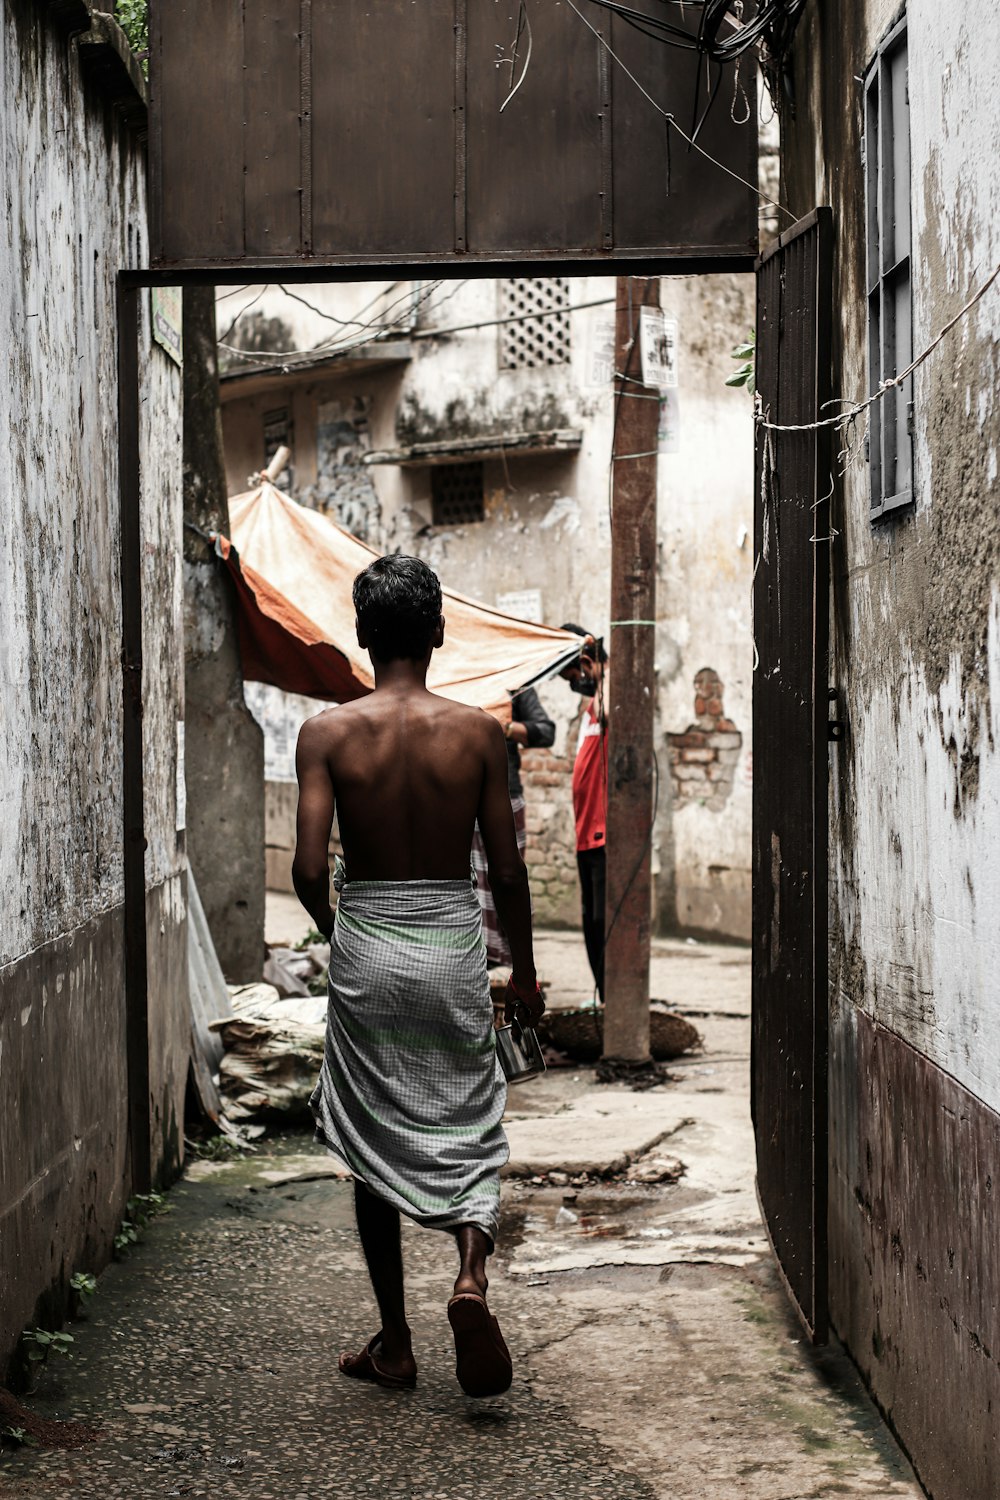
(915, 787)
(546, 529)
(915, 599)
(75, 212)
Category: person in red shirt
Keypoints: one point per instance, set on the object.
(590, 794)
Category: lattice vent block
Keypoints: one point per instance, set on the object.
(457, 494)
(540, 340)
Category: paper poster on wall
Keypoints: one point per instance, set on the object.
(668, 437)
(180, 821)
(523, 604)
(601, 353)
(658, 341)
(167, 315)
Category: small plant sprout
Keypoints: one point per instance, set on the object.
(84, 1285)
(312, 937)
(40, 1344)
(746, 354)
(127, 1236)
(140, 1208)
(17, 1435)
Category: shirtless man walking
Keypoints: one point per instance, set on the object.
(411, 1095)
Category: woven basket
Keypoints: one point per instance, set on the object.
(580, 1033)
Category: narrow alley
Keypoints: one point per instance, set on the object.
(655, 1354)
(499, 568)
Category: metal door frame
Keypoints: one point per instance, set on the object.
(130, 287)
(794, 405)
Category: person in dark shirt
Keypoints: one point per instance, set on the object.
(530, 728)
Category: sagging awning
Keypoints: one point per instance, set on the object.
(293, 569)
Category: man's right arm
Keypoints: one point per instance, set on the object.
(507, 874)
(314, 820)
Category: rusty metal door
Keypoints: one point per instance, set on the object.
(790, 730)
(311, 133)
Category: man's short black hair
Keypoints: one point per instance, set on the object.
(595, 652)
(398, 603)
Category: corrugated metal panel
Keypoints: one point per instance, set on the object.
(790, 714)
(326, 132)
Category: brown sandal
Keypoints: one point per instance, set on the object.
(482, 1360)
(363, 1366)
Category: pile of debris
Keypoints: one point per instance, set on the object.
(272, 1040)
(256, 1048)
(654, 1169)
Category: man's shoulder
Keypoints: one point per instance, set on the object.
(472, 723)
(321, 730)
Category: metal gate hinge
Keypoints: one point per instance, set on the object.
(836, 729)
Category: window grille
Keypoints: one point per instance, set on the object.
(456, 494)
(540, 340)
(890, 330)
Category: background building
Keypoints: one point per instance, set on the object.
(472, 426)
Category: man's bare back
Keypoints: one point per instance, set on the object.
(407, 771)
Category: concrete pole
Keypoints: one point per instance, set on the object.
(224, 747)
(631, 687)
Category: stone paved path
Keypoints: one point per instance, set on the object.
(656, 1356)
(209, 1359)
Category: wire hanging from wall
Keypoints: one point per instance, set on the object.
(722, 34)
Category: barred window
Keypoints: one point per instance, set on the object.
(456, 494)
(890, 330)
(277, 434)
(538, 340)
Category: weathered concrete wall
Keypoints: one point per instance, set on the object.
(75, 213)
(915, 861)
(546, 529)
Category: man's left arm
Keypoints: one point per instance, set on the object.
(314, 820)
(530, 725)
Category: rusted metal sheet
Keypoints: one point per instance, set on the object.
(337, 132)
(915, 1250)
(790, 613)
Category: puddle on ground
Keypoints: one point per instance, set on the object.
(625, 1214)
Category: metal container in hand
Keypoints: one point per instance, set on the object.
(519, 1053)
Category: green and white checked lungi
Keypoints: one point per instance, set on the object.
(411, 1095)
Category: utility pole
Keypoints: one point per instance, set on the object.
(631, 686)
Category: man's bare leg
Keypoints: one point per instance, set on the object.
(378, 1228)
(473, 1247)
(482, 1359)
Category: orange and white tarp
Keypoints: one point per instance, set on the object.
(293, 569)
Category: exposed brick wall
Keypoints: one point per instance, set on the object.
(704, 757)
(551, 851)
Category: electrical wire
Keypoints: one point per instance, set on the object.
(754, 188)
(333, 342)
(855, 408)
(434, 333)
(335, 345)
(242, 311)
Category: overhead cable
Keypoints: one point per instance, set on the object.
(671, 121)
